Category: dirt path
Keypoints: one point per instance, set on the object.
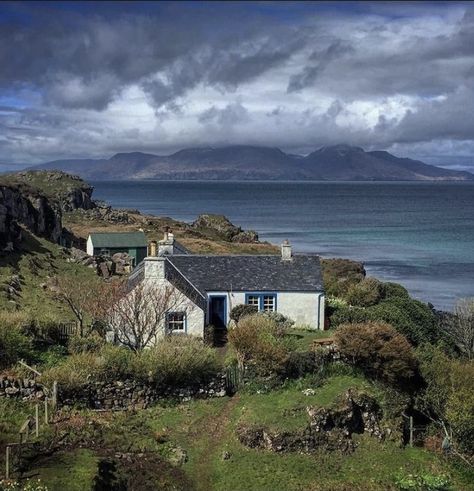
(214, 430)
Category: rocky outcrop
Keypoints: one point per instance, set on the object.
(328, 428)
(26, 207)
(118, 264)
(104, 212)
(223, 228)
(69, 191)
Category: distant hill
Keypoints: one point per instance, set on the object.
(338, 162)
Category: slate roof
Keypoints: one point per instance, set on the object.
(118, 239)
(250, 273)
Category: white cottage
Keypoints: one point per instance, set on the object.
(210, 285)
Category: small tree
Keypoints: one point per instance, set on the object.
(138, 316)
(460, 327)
(82, 294)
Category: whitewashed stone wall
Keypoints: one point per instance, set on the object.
(305, 308)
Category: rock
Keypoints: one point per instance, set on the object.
(27, 207)
(246, 237)
(224, 228)
(178, 456)
(78, 255)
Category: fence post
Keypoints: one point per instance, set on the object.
(411, 431)
(46, 419)
(54, 398)
(7, 463)
(37, 419)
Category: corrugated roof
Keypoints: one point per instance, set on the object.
(118, 239)
(250, 273)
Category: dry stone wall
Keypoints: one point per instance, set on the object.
(111, 395)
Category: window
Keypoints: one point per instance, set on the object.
(263, 301)
(176, 322)
(268, 303)
(253, 300)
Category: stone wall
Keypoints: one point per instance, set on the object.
(20, 388)
(111, 395)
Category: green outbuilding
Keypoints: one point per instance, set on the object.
(109, 243)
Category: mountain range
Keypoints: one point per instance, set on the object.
(243, 162)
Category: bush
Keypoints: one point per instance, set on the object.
(90, 343)
(378, 349)
(177, 361)
(340, 274)
(259, 339)
(116, 361)
(412, 318)
(242, 310)
(14, 344)
(283, 322)
(344, 314)
(394, 290)
(367, 292)
(448, 394)
(423, 482)
(74, 371)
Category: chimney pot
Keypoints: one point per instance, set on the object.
(286, 251)
(153, 248)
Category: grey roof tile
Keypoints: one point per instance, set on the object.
(250, 273)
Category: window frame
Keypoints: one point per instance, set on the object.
(261, 300)
(184, 330)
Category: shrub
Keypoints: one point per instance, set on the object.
(344, 314)
(423, 482)
(14, 344)
(414, 319)
(74, 371)
(177, 361)
(367, 292)
(378, 349)
(259, 339)
(51, 357)
(284, 323)
(116, 361)
(242, 310)
(340, 274)
(301, 363)
(90, 343)
(392, 290)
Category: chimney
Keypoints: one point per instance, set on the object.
(286, 251)
(153, 248)
(166, 245)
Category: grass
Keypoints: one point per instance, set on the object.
(285, 410)
(303, 338)
(206, 428)
(36, 262)
(71, 471)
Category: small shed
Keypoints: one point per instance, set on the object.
(109, 243)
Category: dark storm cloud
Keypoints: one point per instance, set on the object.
(297, 75)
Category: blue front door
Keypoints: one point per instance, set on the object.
(217, 311)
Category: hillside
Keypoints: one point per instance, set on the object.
(338, 162)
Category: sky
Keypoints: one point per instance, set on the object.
(88, 80)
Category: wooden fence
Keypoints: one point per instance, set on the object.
(32, 424)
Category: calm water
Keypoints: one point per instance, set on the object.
(417, 234)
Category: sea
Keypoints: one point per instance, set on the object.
(419, 234)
